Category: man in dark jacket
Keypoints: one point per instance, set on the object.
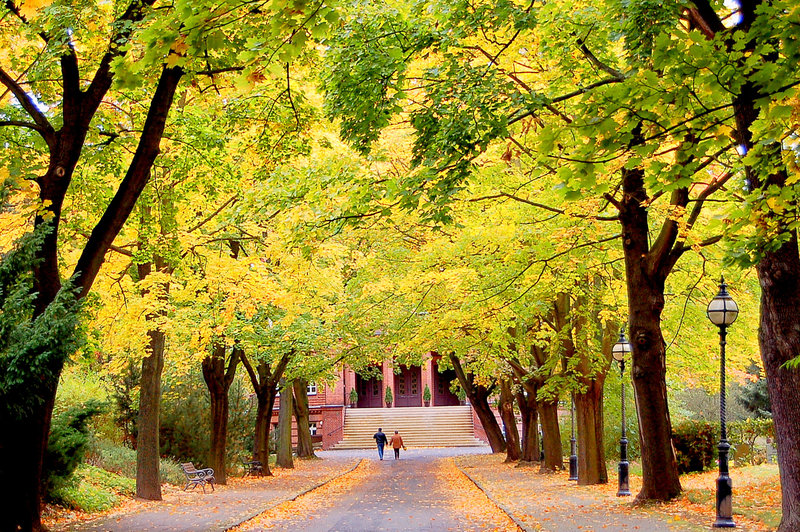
(380, 439)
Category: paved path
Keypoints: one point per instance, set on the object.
(225, 507)
(553, 503)
(421, 491)
(427, 489)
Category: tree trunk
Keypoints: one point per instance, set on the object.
(218, 379)
(22, 444)
(265, 380)
(645, 276)
(148, 481)
(591, 449)
(148, 449)
(551, 436)
(506, 408)
(530, 426)
(479, 399)
(779, 339)
(261, 439)
(283, 452)
(305, 447)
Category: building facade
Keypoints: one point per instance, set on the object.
(327, 405)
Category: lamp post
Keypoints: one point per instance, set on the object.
(620, 349)
(723, 311)
(573, 458)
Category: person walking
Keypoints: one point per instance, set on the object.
(397, 442)
(380, 439)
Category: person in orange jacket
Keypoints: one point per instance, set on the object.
(397, 442)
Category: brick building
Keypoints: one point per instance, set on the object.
(328, 405)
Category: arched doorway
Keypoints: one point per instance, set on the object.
(406, 386)
(442, 396)
(369, 392)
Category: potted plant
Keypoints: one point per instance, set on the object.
(462, 396)
(426, 396)
(387, 397)
(353, 397)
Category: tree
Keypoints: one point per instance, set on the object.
(219, 370)
(283, 443)
(305, 447)
(52, 118)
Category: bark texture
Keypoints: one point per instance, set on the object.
(506, 407)
(551, 436)
(264, 378)
(283, 453)
(530, 426)
(305, 447)
(479, 399)
(219, 376)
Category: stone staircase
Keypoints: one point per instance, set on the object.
(434, 426)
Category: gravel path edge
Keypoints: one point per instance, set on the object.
(497, 503)
(296, 496)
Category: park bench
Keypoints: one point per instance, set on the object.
(195, 477)
(253, 467)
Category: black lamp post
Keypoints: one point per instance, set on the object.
(573, 458)
(620, 349)
(723, 311)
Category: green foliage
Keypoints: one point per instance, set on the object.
(93, 489)
(121, 460)
(746, 432)
(695, 445)
(67, 444)
(388, 397)
(32, 348)
(353, 396)
(426, 394)
(754, 394)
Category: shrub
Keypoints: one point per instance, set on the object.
(67, 444)
(353, 396)
(122, 460)
(426, 395)
(695, 445)
(387, 397)
(84, 496)
(746, 431)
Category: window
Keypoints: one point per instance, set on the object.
(311, 389)
(312, 428)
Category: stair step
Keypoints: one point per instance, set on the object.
(443, 426)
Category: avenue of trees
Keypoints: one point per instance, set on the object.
(268, 191)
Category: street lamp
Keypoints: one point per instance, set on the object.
(723, 311)
(573, 458)
(620, 349)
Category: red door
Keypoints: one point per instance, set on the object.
(369, 392)
(406, 386)
(442, 396)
